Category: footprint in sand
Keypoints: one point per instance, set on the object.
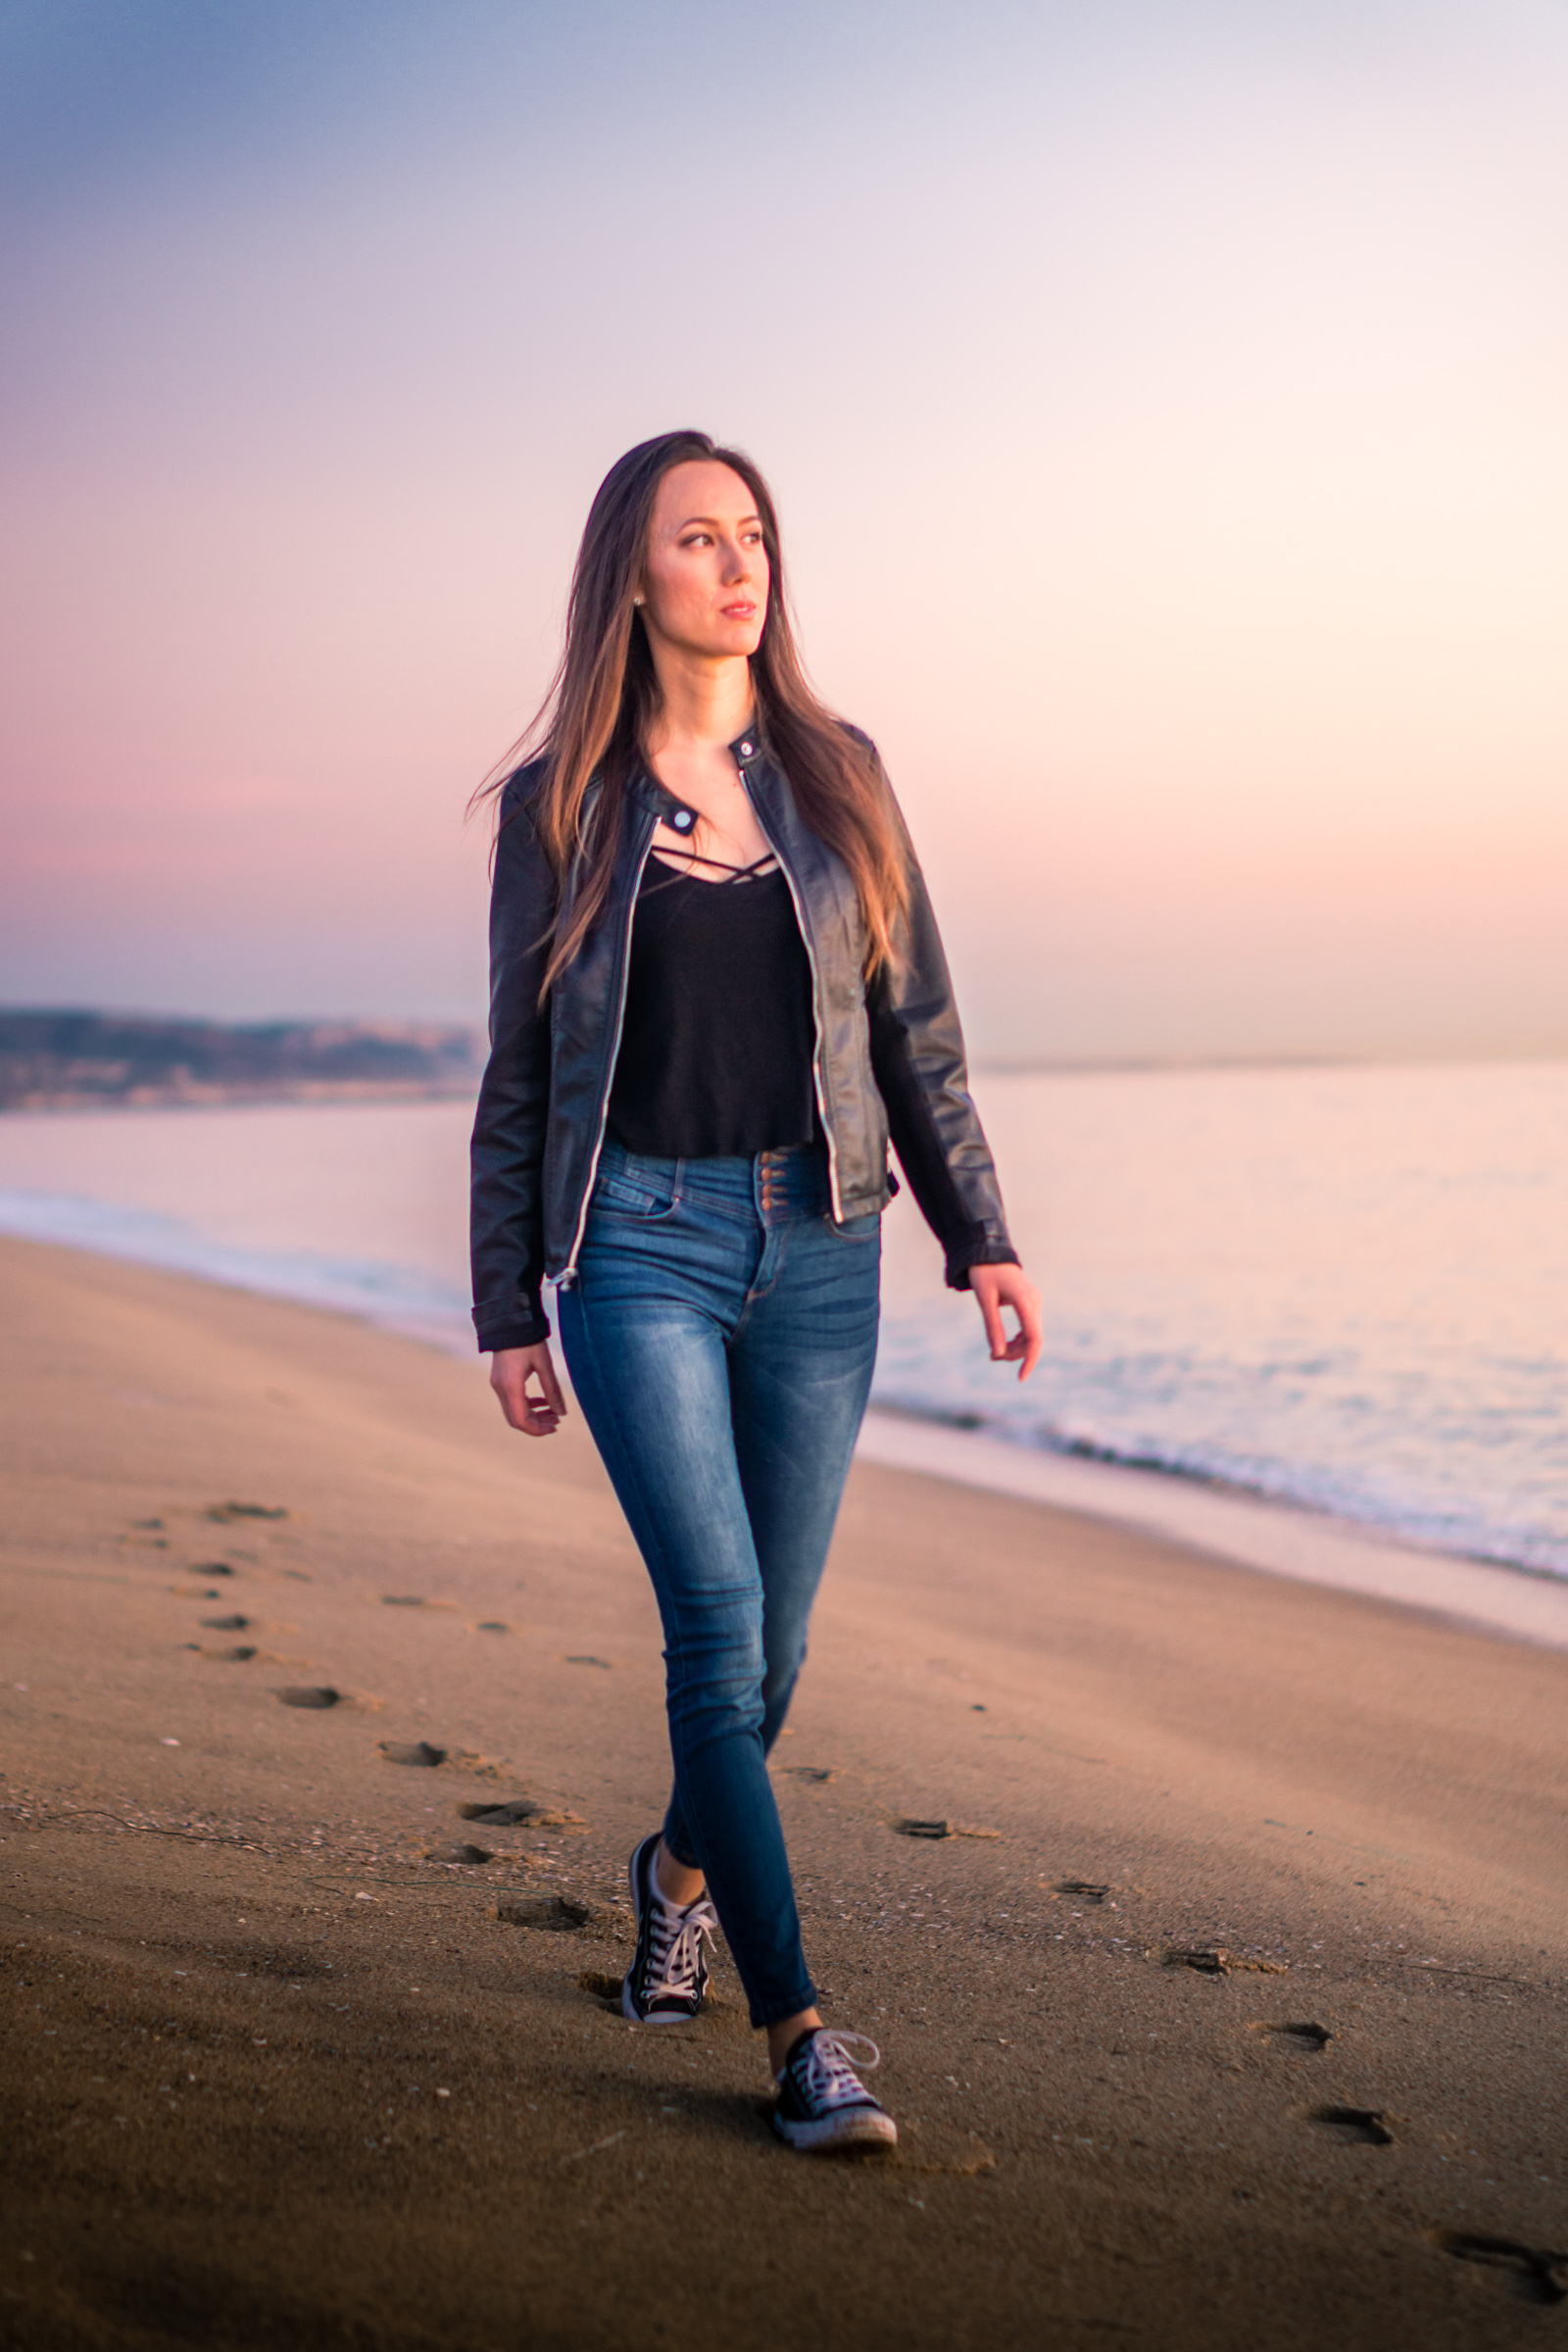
(559, 1914)
(470, 1854)
(817, 1776)
(1360, 2126)
(226, 1514)
(1305, 2037)
(519, 1809)
(492, 1625)
(583, 1660)
(969, 2165)
(240, 1656)
(904, 1825)
(307, 1694)
(226, 1625)
(603, 1988)
(1529, 2272)
(1080, 1890)
(213, 1568)
(1216, 1960)
(397, 1751)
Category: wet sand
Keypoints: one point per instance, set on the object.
(1230, 2013)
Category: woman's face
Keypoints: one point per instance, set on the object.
(705, 580)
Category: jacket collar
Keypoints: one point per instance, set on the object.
(748, 751)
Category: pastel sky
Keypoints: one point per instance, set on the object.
(1166, 403)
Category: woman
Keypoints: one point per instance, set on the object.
(716, 992)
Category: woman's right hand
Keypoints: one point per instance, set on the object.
(511, 1370)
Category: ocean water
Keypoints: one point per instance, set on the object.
(1346, 1288)
(1340, 1288)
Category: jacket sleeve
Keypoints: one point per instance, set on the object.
(918, 1060)
(506, 1224)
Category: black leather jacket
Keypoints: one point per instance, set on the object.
(889, 1056)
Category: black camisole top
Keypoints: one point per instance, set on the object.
(718, 1038)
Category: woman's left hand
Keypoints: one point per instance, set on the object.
(997, 1287)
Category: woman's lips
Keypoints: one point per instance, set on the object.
(738, 611)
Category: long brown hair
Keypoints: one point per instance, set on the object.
(593, 723)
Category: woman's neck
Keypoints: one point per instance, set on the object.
(702, 704)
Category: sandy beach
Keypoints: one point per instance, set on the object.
(1228, 2011)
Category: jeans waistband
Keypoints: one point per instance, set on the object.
(788, 1183)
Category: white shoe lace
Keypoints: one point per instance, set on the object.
(830, 2075)
(675, 1947)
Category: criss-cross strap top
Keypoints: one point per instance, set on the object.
(719, 1034)
(765, 864)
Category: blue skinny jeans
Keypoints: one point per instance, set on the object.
(720, 1338)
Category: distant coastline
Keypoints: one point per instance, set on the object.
(74, 1059)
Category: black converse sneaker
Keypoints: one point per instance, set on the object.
(668, 1980)
(822, 2103)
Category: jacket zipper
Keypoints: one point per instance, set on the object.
(817, 1005)
(568, 1272)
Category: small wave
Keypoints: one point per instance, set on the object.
(1303, 1487)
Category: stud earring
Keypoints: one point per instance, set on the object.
(636, 600)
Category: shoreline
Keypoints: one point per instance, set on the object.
(1267, 1533)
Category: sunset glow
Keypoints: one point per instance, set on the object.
(1164, 403)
